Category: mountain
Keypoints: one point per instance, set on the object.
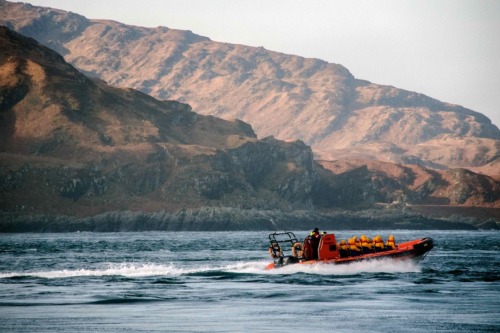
(289, 97)
(76, 147)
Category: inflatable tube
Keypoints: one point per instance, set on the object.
(298, 250)
(275, 251)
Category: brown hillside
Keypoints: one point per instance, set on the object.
(278, 94)
(75, 146)
(78, 147)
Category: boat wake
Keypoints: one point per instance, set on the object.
(124, 269)
(375, 266)
(255, 267)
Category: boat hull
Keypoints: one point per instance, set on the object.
(414, 250)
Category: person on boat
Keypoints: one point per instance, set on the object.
(343, 249)
(353, 246)
(307, 248)
(315, 232)
(366, 245)
(391, 243)
(315, 238)
(378, 244)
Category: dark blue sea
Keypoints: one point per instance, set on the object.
(216, 282)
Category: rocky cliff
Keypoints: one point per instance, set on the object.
(286, 96)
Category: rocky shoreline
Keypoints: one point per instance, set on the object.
(232, 219)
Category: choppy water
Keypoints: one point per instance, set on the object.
(216, 282)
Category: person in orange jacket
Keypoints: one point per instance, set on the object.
(378, 244)
(391, 243)
(366, 244)
(343, 249)
(353, 247)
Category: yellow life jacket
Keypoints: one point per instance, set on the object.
(391, 243)
(366, 243)
(352, 244)
(378, 242)
(343, 245)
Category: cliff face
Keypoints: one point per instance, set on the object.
(286, 96)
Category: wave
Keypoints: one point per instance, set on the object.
(133, 270)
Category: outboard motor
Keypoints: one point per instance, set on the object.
(290, 260)
(278, 262)
(286, 260)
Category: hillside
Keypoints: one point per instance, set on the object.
(289, 97)
(76, 147)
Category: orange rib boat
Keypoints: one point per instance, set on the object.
(328, 251)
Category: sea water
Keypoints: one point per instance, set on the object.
(216, 282)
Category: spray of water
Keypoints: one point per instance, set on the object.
(255, 267)
(375, 266)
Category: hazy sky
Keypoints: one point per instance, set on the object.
(446, 49)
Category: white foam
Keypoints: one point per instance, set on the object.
(375, 266)
(254, 267)
(126, 269)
